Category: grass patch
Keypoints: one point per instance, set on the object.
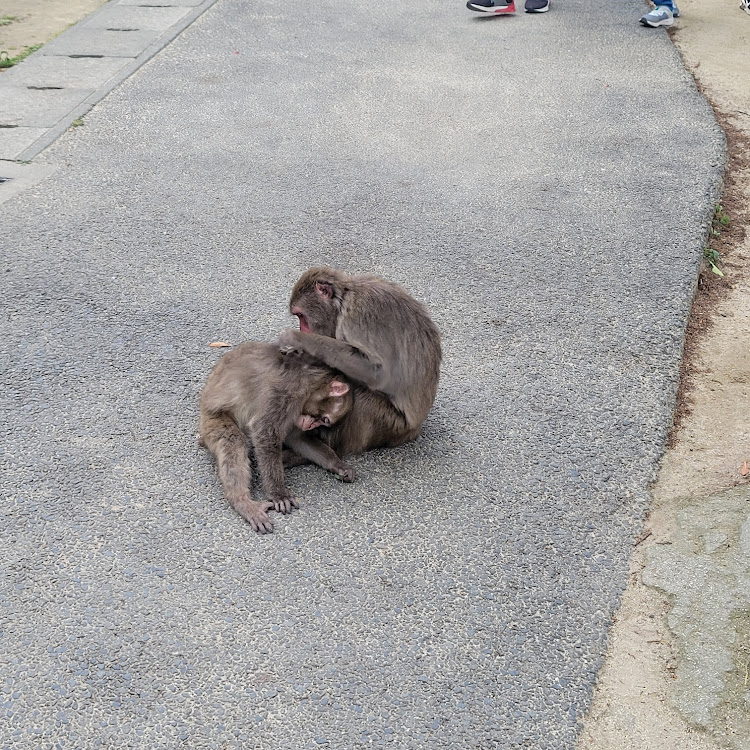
(6, 61)
(721, 219)
(721, 222)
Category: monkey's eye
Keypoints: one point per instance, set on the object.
(326, 422)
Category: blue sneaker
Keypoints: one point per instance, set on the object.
(659, 16)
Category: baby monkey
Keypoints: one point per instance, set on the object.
(256, 393)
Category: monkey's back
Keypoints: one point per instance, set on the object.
(256, 378)
(240, 380)
(405, 336)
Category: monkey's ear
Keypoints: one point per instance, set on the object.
(323, 289)
(337, 388)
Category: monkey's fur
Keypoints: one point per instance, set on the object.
(377, 335)
(255, 392)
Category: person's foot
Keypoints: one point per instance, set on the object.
(659, 16)
(745, 5)
(492, 6)
(540, 6)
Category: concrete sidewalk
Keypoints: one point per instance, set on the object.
(520, 176)
(45, 95)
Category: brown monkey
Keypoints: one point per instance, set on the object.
(256, 392)
(376, 334)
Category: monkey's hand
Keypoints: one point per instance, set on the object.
(255, 514)
(289, 343)
(345, 472)
(283, 502)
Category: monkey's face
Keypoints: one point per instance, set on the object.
(307, 422)
(316, 304)
(326, 408)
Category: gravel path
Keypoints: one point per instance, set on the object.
(541, 182)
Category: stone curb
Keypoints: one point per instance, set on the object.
(42, 96)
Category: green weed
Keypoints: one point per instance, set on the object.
(721, 220)
(6, 61)
(712, 257)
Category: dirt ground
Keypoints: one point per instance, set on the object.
(632, 707)
(37, 21)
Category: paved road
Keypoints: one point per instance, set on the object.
(542, 182)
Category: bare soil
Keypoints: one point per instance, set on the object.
(37, 21)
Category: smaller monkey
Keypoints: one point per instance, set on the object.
(257, 395)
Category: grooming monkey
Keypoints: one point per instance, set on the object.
(378, 336)
(255, 394)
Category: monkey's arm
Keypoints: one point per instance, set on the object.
(318, 452)
(267, 445)
(356, 363)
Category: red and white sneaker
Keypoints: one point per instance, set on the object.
(492, 6)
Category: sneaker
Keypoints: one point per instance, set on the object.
(540, 6)
(659, 16)
(745, 5)
(492, 6)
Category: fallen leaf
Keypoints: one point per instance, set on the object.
(744, 470)
(218, 344)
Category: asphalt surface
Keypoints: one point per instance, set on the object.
(543, 183)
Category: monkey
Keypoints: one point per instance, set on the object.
(255, 395)
(379, 337)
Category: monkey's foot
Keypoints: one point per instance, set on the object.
(284, 503)
(255, 514)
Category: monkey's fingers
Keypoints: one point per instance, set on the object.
(346, 473)
(289, 343)
(291, 351)
(284, 503)
(255, 514)
(287, 339)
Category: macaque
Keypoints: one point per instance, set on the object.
(379, 337)
(257, 395)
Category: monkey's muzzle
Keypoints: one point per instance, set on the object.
(304, 326)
